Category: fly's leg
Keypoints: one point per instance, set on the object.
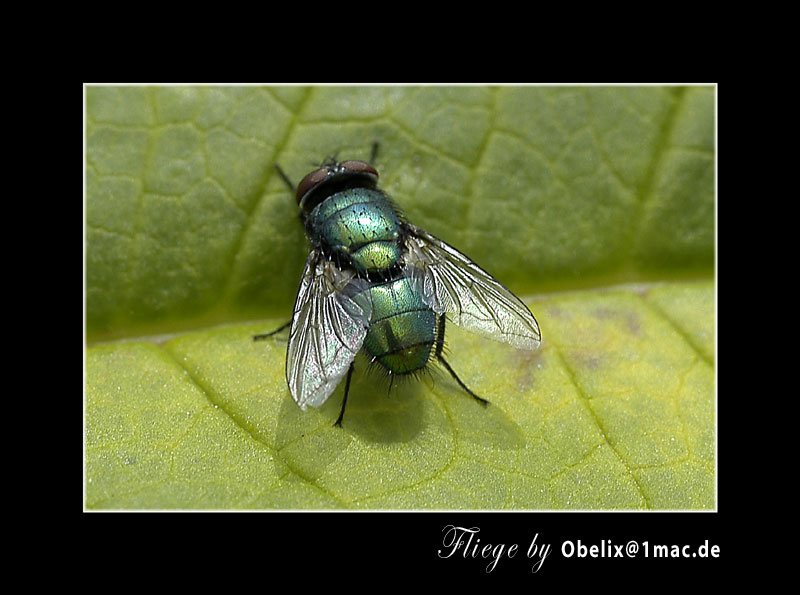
(439, 348)
(275, 332)
(338, 422)
(288, 182)
(480, 400)
(374, 153)
(285, 178)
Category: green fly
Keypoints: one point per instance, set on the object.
(374, 281)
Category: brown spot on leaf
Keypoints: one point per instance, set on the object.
(627, 317)
(528, 364)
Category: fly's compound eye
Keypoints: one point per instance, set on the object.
(311, 181)
(316, 177)
(357, 167)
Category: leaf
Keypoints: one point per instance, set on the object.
(547, 188)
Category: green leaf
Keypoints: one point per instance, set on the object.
(550, 189)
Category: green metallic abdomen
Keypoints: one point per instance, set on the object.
(361, 226)
(403, 329)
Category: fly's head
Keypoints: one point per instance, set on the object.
(330, 178)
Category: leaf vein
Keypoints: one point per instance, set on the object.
(584, 399)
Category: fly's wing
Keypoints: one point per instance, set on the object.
(330, 321)
(451, 283)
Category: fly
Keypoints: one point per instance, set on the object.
(375, 282)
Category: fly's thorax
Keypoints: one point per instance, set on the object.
(402, 330)
(359, 227)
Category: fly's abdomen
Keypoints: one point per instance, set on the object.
(359, 226)
(402, 330)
